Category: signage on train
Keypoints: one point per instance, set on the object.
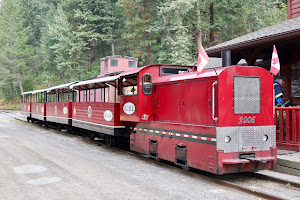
(89, 111)
(108, 115)
(65, 110)
(249, 120)
(129, 108)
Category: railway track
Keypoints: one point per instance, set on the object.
(219, 180)
(223, 181)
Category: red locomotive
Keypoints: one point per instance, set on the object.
(221, 121)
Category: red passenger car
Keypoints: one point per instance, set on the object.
(59, 106)
(95, 114)
(38, 105)
(26, 105)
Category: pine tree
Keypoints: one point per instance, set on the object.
(138, 27)
(175, 40)
(61, 45)
(15, 53)
(96, 21)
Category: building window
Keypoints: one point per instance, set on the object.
(114, 63)
(106, 64)
(295, 82)
(131, 64)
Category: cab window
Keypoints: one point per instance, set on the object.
(130, 85)
(147, 84)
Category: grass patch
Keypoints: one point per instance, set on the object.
(10, 106)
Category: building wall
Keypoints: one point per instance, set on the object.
(293, 8)
(122, 64)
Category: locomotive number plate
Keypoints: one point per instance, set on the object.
(245, 120)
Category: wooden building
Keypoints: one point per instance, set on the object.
(293, 7)
(256, 48)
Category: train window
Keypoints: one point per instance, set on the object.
(170, 71)
(246, 95)
(114, 63)
(106, 64)
(130, 85)
(147, 84)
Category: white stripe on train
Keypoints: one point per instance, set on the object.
(176, 134)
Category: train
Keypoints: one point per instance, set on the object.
(221, 121)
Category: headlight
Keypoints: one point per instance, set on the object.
(265, 138)
(227, 139)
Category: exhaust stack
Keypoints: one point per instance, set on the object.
(226, 58)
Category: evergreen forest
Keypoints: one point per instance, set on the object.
(50, 42)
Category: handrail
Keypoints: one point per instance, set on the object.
(213, 101)
(287, 121)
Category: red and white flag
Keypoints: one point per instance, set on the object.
(275, 65)
(202, 60)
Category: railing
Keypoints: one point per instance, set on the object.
(287, 122)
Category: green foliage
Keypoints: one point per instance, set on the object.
(49, 42)
(15, 52)
(175, 42)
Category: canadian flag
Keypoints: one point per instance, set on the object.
(202, 60)
(275, 65)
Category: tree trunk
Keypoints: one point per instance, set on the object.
(12, 91)
(198, 31)
(63, 77)
(20, 81)
(89, 57)
(112, 45)
(147, 33)
(212, 33)
(36, 63)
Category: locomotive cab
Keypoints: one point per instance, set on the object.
(136, 95)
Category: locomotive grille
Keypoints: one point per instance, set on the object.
(244, 138)
(246, 95)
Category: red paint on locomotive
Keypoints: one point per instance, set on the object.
(193, 115)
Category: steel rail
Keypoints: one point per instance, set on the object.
(275, 180)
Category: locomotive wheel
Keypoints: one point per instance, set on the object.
(69, 129)
(91, 136)
(110, 140)
(59, 127)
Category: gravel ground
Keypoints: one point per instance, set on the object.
(286, 177)
(289, 155)
(276, 189)
(38, 163)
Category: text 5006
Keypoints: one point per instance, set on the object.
(245, 120)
